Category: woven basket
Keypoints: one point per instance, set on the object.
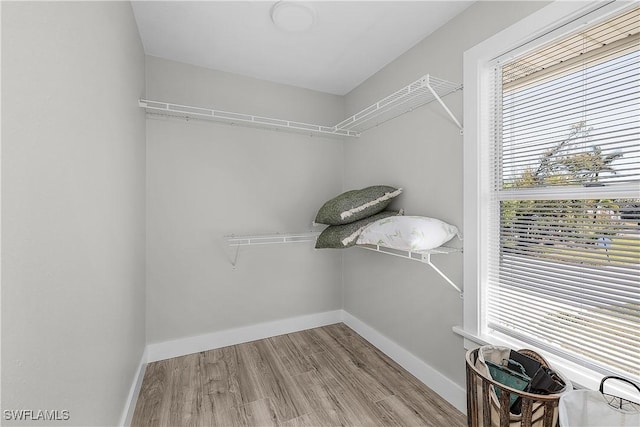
(484, 409)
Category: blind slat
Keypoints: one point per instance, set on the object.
(624, 343)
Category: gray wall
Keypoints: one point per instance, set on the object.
(74, 167)
(421, 152)
(73, 210)
(206, 180)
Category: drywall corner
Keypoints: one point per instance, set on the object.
(132, 398)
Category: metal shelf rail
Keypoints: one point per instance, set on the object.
(421, 92)
(167, 109)
(268, 239)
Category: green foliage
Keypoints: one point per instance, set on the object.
(562, 165)
(546, 172)
(586, 167)
(530, 226)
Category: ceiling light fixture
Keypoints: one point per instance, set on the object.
(292, 16)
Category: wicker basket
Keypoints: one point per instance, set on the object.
(484, 409)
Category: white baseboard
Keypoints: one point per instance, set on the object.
(184, 346)
(432, 378)
(134, 391)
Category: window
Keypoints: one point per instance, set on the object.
(557, 260)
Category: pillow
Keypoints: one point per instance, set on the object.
(355, 205)
(408, 233)
(346, 235)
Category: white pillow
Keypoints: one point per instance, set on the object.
(408, 233)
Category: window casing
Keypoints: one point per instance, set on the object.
(554, 182)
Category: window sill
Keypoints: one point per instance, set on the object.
(580, 376)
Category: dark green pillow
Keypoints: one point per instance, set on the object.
(346, 235)
(355, 205)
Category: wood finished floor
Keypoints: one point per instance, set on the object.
(327, 376)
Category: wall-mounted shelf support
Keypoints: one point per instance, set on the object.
(444, 106)
(420, 256)
(268, 239)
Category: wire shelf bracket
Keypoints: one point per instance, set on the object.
(420, 256)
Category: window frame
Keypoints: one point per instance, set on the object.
(549, 23)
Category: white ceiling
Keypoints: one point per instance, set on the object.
(349, 42)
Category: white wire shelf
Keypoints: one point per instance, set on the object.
(167, 109)
(270, 239)
(267, 239)
(311, 236)
(421, 92)
(420, 256)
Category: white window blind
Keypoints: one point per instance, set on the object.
(564, 262)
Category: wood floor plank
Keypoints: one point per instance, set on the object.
(349, 374)
(220, 375)
(433, 408)
(307, 343)
(220, 387)
(290, 355)
(397, 413)
(149, 408)
(325, 376)
(258, 413)
(321, 336)
(354, 345)
(184, 394)
(331, 402)
(371, 360)
(249, 373)
(286, 392)
(306, 420)
(364, 390)
(269, 378)
(416, 395)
